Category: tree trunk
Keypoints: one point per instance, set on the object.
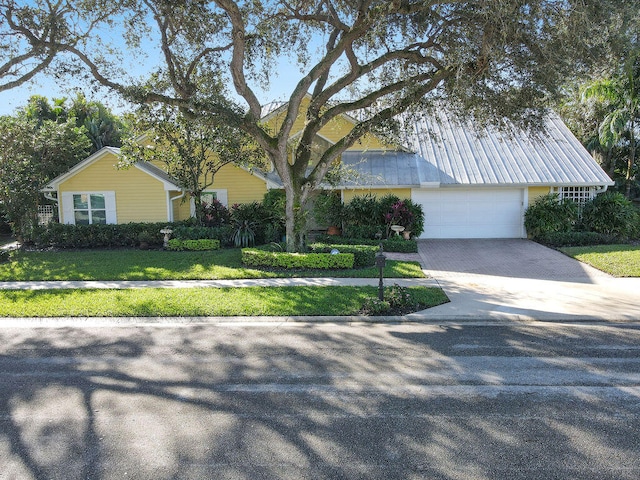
(296, 221)
(632, 160)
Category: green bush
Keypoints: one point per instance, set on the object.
(255, 257)
(194, 245)
(59, 235)
(393, 244)
(397, 301)
(362, 217)
(187, 232)
(549, 215)
(611, 214)
(366, 216)
(363, 255)
(327, 209)
(274, 225)
(575, 239)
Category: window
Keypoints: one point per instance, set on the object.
(207, 198)
(580, 195)
(89, 208)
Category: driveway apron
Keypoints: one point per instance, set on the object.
(520, 279)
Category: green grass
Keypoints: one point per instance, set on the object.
(162, 265)
(248, 301)
(617, 260)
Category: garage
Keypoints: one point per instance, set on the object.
(472, 213)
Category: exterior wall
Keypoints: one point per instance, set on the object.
(139, 197)
(241, 186)
(535, 192)
(333, 131)
(403, 193)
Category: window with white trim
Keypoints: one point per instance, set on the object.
(207, 198)
(89, 208)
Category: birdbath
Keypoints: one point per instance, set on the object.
(166, 231)
(397, 229)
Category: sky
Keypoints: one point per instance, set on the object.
(282, 83)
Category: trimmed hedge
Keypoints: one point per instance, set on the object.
(60, 235)
(196, 245)
(223, 233)
(393, 244)
(363, 255)
(255, 257)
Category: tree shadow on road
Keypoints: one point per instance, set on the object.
(329, 402)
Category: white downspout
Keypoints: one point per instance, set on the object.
(170, 204)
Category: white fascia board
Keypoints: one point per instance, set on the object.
(167, 185)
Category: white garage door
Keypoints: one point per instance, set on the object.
(476, 213)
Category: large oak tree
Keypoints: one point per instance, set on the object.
(495, 59)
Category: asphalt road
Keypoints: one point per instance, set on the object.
(471, 401)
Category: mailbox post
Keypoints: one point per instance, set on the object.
(381, 261)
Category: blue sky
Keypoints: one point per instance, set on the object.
(282, 84)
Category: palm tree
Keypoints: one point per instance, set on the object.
(622, 94)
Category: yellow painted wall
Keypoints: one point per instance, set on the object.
(535, 192)
(333, 131)
(402, 193)
(139, 197)
(242, 187)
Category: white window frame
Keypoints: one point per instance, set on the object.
(69, 209)
(219, 194)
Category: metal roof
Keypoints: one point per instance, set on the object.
(447, 151)
(450, 151)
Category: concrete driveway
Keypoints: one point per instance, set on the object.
(520, 279)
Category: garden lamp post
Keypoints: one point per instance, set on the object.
(381, 261)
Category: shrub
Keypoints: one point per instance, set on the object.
(362, 217)
(254, 257)
(274, 225)
(548, 214)
(611, 214)
(216, 214)
(393, 244)
(186, 232)
(4, 256)
(249, 220)
(363, 255)
(575, 239)
(327, 209)
(197, 245)
(59, 235)
(367, 216)
(397, 301)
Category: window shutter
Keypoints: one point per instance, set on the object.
(110, 207)
(67, 208)
(221, 196)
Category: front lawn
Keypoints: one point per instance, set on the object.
(186, 302)
(161, 265)
(617, 260)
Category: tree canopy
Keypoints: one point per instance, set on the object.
(370, 59)
(43, 140)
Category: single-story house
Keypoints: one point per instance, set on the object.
(471, 182)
